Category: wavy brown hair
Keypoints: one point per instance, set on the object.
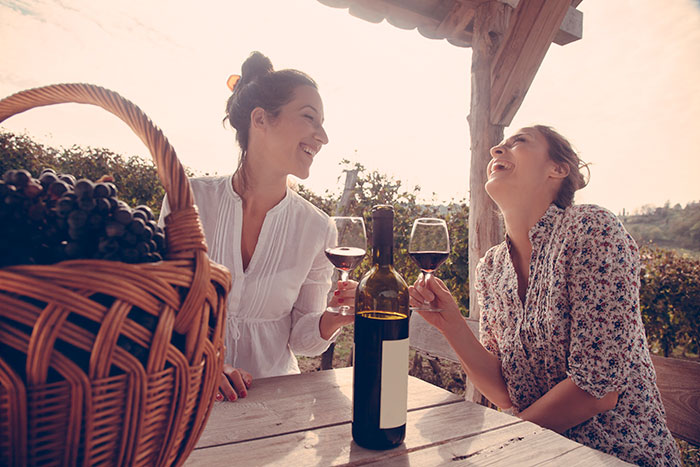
(562, 152)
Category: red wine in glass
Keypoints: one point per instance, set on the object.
(347, 250)
(429, 247)
(429, 261)
(345, 258)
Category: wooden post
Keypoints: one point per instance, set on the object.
(341, 208)
(485, 226)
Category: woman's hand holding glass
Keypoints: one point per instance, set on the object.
(347, 252)
(429, 247)
(432, 291)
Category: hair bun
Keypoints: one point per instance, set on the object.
(255, 65)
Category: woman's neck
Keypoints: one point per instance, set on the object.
(520, 219)
(259, 190)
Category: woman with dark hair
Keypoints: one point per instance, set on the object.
(562, 343)
(271, 239)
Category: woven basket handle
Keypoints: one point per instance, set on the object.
(170, 171)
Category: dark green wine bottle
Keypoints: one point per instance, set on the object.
(380, 378)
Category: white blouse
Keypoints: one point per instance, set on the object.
(275, 305)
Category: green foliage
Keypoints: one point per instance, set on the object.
(670, 301)
(136, 179)
(674, 227)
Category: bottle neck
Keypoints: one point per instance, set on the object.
(383, 241)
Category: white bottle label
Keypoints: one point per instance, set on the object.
(394, 389)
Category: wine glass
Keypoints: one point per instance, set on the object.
(429, 247)
(349, 248)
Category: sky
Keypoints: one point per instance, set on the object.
(627, 94)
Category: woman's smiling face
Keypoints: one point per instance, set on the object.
(520, 165)
(296, 134)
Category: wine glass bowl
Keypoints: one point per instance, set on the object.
(347, 251)
(429, 247)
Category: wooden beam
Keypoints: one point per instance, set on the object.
(571, 28)
(534, 25)
(456, 20)
(485, 229)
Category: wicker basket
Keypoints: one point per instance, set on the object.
(103, 362)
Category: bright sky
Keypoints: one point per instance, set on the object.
(627, 95)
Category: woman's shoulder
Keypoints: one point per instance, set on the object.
(306, 208)
(583, 218)
(593, 221)
(209, 181)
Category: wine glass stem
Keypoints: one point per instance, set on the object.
(426, 276)
(344, 275)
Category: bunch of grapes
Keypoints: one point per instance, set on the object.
(56, 217)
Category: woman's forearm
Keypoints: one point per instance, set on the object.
(565, 406)
(482, 368)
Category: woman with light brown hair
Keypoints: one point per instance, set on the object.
(562, 343)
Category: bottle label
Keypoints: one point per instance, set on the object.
(394, 389)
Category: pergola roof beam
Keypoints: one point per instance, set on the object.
(532, 27)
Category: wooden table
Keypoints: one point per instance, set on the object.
(304, 420)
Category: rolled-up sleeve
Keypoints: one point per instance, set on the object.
(305, 338)
(604, 293)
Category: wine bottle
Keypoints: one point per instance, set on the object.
(380, 373)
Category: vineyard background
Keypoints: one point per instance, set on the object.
(669, 237)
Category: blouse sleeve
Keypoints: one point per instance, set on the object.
(604, 296)
(305, 338)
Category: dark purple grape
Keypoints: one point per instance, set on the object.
(84, 188)
(112, 189)
(77, 219)
(65, 206)
(101, 190)
(139, 214)
(113, 203)
(95, 221)
(58, 188)
(108, 245)
(33, 188)
(130, 255)
(86, 204)
(122, 215)
(67, 178)
(21, 178)
(143, 249)
(159, 239)
(47, 178)
(130, 239)
(102, 205)
(36, 212)
(147, 210)
(9, 176)
(137, 227)
(114, 229)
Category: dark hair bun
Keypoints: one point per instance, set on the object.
(255, 65)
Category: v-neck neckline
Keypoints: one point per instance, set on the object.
(238, 226)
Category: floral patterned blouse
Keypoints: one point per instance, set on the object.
(580, 320)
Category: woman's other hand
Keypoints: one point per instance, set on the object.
(234, 384)
(331, 321)
(344, 294)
